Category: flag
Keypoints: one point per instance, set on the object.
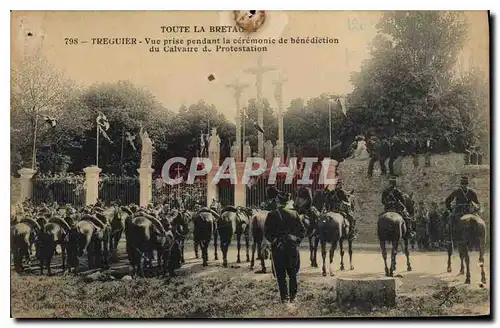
(130, 138)
(255, 124)
(104, 134)
(102, 121)
(50, 120)
(343, 105)
(257, 127)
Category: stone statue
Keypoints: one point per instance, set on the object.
(235, 152)
(247, 152)
(278, 151)
(146, 151)
(214, 147)
(268, 152)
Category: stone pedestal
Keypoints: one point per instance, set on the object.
(367, 292)
(91, 184)
(240, 189)
(145, 186)
(212, 190)
(26, 182)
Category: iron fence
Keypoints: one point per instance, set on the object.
(119, 190)
(191, 194)
(63, 190)
(226, 192)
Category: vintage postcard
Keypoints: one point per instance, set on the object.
(250, 164)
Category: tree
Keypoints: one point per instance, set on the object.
(127, 108)
(401, 87)
(38, 90)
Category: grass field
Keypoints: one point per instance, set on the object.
(220, 296)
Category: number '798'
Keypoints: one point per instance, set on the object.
(70, 41)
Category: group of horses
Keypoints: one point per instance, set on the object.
(98, 231)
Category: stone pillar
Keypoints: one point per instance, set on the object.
(240, 189)
(212, 190)
(91, 184)
(145, 186)
(26, 183)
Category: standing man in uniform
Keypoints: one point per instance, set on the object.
(284, 230)
(393, 200)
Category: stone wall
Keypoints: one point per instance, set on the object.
(428, 184)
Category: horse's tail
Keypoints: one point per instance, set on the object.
(476, 235)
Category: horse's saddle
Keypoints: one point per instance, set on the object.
(61, 222)
(97, 223)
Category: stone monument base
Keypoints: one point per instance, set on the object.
(366, 292)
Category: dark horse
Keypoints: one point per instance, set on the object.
(469, 231)
(333, 228)
(214, 210)
(205, 226)
(233, 221)
(257, 229)
(391, 227)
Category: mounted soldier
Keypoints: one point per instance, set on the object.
(341, 204)
(394, 201)
(466, 202)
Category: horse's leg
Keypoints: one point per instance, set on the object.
(407, 253)
(224, 246)
(341, 247)
(384, 256)
(467, 264)
(262, 261)
(181, 246)
(204, 252)
(449, 249)
(323, 254)
(238, 245)
(311, 249)
(63, 256)
(461, 254)
(349, 242)
(216, 236)
(481, 259)
(394, 254)
(195, 242)
(315, 251)
(247, 242)
(252, 261)
(331, 267)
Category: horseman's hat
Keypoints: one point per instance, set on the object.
(272, 192)
(464, 180)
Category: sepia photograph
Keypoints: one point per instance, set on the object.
(250, 164)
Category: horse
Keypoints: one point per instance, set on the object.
(391, 227)
(205, 226)
(334, 228)
(54, 233)
(117, 227)
(468, 231)
(22, 236)
(257, 224)
(89, 234)
(144, 234)
(233, 221)
(179, 220)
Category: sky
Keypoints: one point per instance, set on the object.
(181, 78)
